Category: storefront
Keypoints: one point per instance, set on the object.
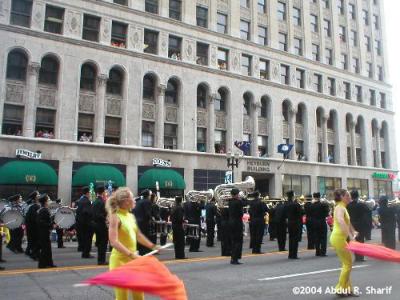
(383, 184)
(327, 186)
(204, 180)
(260, 170)
(360, 185)
(301, 185)
(26, 175)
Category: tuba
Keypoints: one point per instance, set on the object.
(199, 196)
(222, 192)
(165, 202)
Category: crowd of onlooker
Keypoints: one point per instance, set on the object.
(46, 134)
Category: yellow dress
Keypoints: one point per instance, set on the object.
(126, 236)
(338, 240)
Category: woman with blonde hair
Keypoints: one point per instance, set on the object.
(123, 234)
(341, 234)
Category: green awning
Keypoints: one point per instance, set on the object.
(28, 172)
(98, 174)
(167, 179)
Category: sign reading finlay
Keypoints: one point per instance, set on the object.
(28, 154)
(158, 162)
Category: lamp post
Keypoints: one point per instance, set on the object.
(232, 161)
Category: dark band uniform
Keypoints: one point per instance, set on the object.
(100, 228)
(281, 225)
(387, 218)
(32, 249)
(177, 230)
(44, 227)
(17, 234)
(211, 212)
(235, 207)
(294, 213)
(142, 213)
(192, 211)
(257, 213)
(319, 213)
(84, 222)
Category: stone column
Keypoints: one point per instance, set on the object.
(211, 124)
(163, 8)
(353, 143)
(30, 99)
(254, 132)
(159, 132)
(234, 19)
(189, 12)
(137, 4)
(212, 15)
(378, 147)
(325, 138)
(254, 21)
(100, 109)
(65, 178)
(273, 26)
(292, 132)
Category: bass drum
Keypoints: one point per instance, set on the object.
(64, 217)
(12, 218)
(53, 207)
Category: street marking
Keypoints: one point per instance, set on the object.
(308, 273)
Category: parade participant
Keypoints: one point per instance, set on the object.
(224, 233)
(60, 232)
(142, 214)
(293, 213)
(342, 232)
(309, 226)
(387, 218)
(84, 223)
(192, 211)
(319, 212)
(235, 206)
(165, 213)
(2, 232)
(44, 227)
(177, 229)
(100, 224)
(272, 226)
(16, 235)
(211, 212)
(360, 217)
(123, 234)
(32, 247)
(281, 225)
(155, 216)
(257, 213)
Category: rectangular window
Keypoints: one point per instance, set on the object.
(151, 6)
(342, 33)
(150, 41)
(314, 23)
(331, 86)
(297, 16)
(298, 46)
(147, 134)
(343, 61)
(222, 21)
(201, 139)
(367, 43)
(327, 28)
(261, 6)
(372, 98)
(220, 141)
(262, 35)
(366, 17)
(85, 127)
(328, 56)
(174, 47)
(300, 78)
(13, 118)
(331, 154)
(91, 28)
(202, 16)
(380, 73)
(245, 3)
(354, 38)
(21, 11)
(223, 55)
(360, 185)
(281, 11)
(245, 30)
(112, 131)
(383, 100)
(315, 52)
(262, 146)
(359, 93)
(326, 4)
(369, 70)
(119, 34)
(352, 11)
(356, 65)
(299, 146)
(341, 7)
(300, 185)
(328, 185)
(202, 54)
(347, 90)
(246, 65)
(207, 179)
(376, 22)
(54, 19)
(378, 47)
(175, 9)
(285, 74)
(170, 136)
(317, 83)
(264, 69)
(282, 41)
(121, 2)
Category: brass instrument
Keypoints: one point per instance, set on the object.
(394, 203)
(165, 202)
(370, 203)
(199, 196)
(222, 192)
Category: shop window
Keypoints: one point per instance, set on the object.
(21, 11)
(85, 127)
(147, 134)
(49, 71)
(91, 28)
(112, 132)
(170, 136)
(201, 139)
(300, 185)
(54, 19)
(207, 179)
(13, 118)
(150, 41)
(119, 34)
(17, 63)
(327, 186)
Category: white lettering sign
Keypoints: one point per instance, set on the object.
(161, 163)
(28, 154)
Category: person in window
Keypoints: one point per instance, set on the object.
(44, 227)
(174, 56)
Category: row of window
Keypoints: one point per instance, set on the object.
(54, 19)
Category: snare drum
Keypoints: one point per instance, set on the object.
(53, 207)
(64, 217)
(192, 230)
(12, 218)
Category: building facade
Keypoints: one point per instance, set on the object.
(119, 83)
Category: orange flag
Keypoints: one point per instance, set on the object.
(374, 251)
(145, 274)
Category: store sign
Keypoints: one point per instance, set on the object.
(258, 166)
(28, 154)
(30, 178)
(381, 175)
(158, 162)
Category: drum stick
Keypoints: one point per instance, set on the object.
(157, 250)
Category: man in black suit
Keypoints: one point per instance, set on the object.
(142, 213)
(319, 213)
(100, 225)
(16, 234)
(359, 218)
(32, 248)
(281, 225)
(387, 218)
(293, 213)
(257, 213)
(177, 229)
(310, 228)
(84, 222)
(235, 207)
(211, 212)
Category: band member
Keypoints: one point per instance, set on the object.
(155, 216)
(165, 213)
(16, 235)
(236, 226)
(31, 227)
(224, 233)
(257, 213)
(387, 218)
(272, 226)
(309, 222)
(60, 232)
(178, 233)
(142, 214)
(319, 213)
(84, 223)
(211, 212)
(100, 224)
(281, 225)
(192, 211)
(44, 227)
(293, 213)
(359, 216)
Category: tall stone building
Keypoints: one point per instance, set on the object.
(138, 91)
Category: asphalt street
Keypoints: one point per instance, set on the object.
(208, 276)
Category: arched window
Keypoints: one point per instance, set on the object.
(17, 63)
(357, 128)
(285, 111)
(115, 81)
(49, 71)
(220, 101)
(149, 84)
(319, 117)
(201, 96)
(299, 115)
(246, 104)
(263, 111)
(330, 123)
(171, 94)
(88, 77)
